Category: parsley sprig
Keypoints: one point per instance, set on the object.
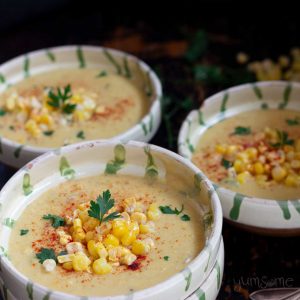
(56, 220)
(46, 253)
(59, 99)
(283, 139)
(240, 130)
(100, 207)
(167, 210)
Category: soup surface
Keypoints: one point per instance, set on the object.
(174, 239)
(67, 106)
(256, 153)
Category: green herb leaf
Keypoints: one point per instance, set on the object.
(293, 122)
(69, 108)
(46, 253)
(102, 205)
(166, 258)
(102, 74)
(2, 112)
(185, 218)
(80, 135)
(208, 74)
(226, 163)
(283, 138)
(56, 220)
(24, 231)
(11, 127)
(167, 210)
(239, 130)
(58, 99)
(48, 133)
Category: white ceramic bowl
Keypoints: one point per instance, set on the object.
(209, 289)
(255, 214)
(112, 61)
(91, 158)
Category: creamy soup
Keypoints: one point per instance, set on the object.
(163, 243)
(256, 153)
(67, 106)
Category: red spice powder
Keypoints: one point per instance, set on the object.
(137, 263)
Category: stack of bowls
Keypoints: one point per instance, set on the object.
(202, 277)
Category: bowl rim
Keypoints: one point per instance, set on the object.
(214, 98)
(132, 132)
(215, 233)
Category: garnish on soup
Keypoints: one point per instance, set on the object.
(258, 156)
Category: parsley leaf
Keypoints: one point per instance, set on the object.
(185, 218)
(293, 122)
(101, 206)
(166, 258)
(226, 163)
(48, 132)
(11, 127)
(58, 99)
(283, 138)
(56, 220)
(2, 112)
(167, 210)
(102, 74)
(46, 253)
(239, 130)
(80, 135)
(24, 231)
(68, 108)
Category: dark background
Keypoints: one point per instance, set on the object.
(147, 29)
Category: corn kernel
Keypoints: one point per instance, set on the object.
(232, 149)
(139, 207)
(290, 155)
(128, 238)
(139, 247)
(68, 266)
(153, 212)
(288, 148)
(83, 215)
(49, 265)
(134, 227)
(101, 266)
(74, 247)
(80, 262)
(64, 240)
(65, 258)
(243, 156)
(79, 115)
(46, 119)
(221, 149)
(139, 217)
(149, 227)
(252, 153)
(119, 228)
(77, 98)
(78, 235)
(128, 259)
(114, 254)
(292, 180)
(129, 204)
(111, 240)
(104, 228)
(32, 128)
(89, 235)
(242, 177)
(258, 168)
(77, 223)
(11, 102)
(90, 224)
(125, 216)
(278, 173)
(239, 166)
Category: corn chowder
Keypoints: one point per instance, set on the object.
(132, 235)
(67, 106)
(256, 153)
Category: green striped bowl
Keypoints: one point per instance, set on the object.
(255, 214)
(102, 157)
(111, 61)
